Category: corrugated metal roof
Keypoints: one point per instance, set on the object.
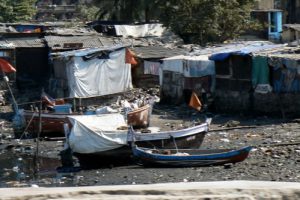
(22, 42)
(57, 42)
(285, 56)
(292, 26)
(77, 31)
(148, 52)
(85, 52)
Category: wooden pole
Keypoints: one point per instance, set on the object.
(38, 136)
(39, 129)
(15, 105)
(74, 104)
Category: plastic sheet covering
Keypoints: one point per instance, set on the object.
(285, 74)
(140, 30)
(97, 133)
(260, 71)
(190, 66)
(256, 47)
(98, 76)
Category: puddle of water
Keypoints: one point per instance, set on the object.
(22, 171)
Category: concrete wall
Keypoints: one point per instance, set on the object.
(172, 88)
(272, 104)
(290, 35)
(264, 4)
(232, 101)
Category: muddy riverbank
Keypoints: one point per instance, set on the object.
(275, 157)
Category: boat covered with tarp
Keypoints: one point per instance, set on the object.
(98, 139)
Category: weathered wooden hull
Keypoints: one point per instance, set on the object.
(52, 123)
(187, 138)
(191, 158)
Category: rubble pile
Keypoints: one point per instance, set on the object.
(2, 99)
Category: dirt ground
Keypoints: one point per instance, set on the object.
(275, 156)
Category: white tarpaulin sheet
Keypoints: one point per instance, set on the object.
(98, 76)
(140, 30)
(97, 133)
(190, 66)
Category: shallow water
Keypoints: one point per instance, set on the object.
(18, 170)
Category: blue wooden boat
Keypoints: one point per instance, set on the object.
(189, 157)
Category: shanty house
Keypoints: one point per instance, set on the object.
(291, 33)
(91, 72)
(181, 75)
(239, 73)
(30, 57)
(148, 68)
(271, 20)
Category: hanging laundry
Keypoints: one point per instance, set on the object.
(151, 67)
(260, 71)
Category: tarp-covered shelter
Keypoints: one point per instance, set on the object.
(91, 72)
(234, 65)
(183, 74)
(242, 74)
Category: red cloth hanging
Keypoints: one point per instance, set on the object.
(6, 67)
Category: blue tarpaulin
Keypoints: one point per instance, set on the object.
(246, 50)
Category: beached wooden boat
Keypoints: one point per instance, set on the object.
(188, 157)
(52, 122)
(98, 140)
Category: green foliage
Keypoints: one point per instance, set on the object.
(203, 21)
(6, 14)
(88, 12)
(24, 10)
(16, 10)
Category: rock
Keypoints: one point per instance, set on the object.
(225, 140)
(228, 166)
(232, 123)
(34, 186)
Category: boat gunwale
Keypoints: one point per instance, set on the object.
(219, 155)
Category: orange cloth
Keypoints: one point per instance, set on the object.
(50, 102)
(129, 58)
(59, 101)
(6, 66)
(195, 102)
